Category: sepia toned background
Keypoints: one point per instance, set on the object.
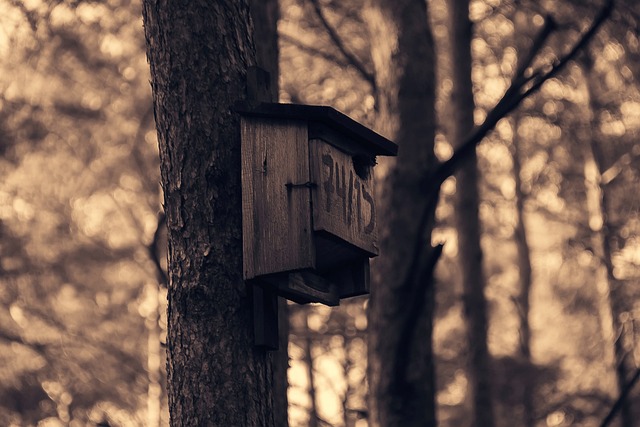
(82, 245)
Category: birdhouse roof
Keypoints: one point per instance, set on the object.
(373, 142)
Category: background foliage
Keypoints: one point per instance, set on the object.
(81, 308)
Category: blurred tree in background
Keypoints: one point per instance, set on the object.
(80, 332)
(549, 361)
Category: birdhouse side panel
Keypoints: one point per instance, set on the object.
(343, 199)
(276, 203)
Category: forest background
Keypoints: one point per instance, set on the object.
(82, 253)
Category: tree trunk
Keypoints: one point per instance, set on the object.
(308, 360)
(468, 221)
(401, 366)
(612, 328)
(528, 386)
(619, 305)
(154, 358)
(265, 15)
(199, 54)
(522, 299)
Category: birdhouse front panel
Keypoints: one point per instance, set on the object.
(276, 204)
(343, 202)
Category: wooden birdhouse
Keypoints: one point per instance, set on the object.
(308, 204)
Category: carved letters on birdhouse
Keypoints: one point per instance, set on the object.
(343, 201)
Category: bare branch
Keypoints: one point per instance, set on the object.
(514, 95)
(619, 402)
(147, 121)
(517, 93)
(337, 40)
(618, 166)
(155, 250)
(15, 338)
(31, 16)
(313, 50)
(602, 16)
(81, 338)
(525, 61)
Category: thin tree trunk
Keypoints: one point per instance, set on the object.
(401, 363)
(347, 365)
(468, 222)
(199, 53)
(619, 304)
(346, 371)
(265, 15)
(603, 235)
(611, 326)
(154, 357)
(522, 299)
(524, 293)
(281, 367)
(308, 360)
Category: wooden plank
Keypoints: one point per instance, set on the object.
(310, 285)
(343, 200)
(353, 279)
(372, 142)
(276, 209)
(302, 286)
(265, 318)
(332, 252)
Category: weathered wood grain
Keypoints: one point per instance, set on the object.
(276, 207)
(343, 200)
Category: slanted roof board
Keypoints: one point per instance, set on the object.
(375, 143)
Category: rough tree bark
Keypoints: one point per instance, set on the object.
(401, 367)
(467, 219)
(199, 53)
(265, 15)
